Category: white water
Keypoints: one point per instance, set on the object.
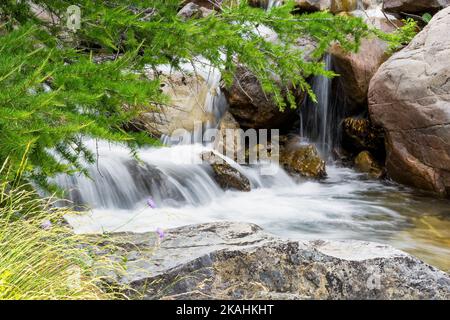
(215, 102)
(335, 208)
(344, 206)
(274, 3)
(319, 121)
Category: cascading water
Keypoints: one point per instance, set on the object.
(344, 206)
(319, 122)
(274, 3)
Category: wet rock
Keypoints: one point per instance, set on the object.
(225, 174)
(251, 107)
(409, 97)
(365, 162)
(359, 135)
(338, 6)
(240, 261)
(302, 159)
(313, 5)
(150, 180)
(414, 6)
(258, 3)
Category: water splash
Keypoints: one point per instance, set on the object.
(172, 176)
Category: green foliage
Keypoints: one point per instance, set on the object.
(401, 37)
(88, 98)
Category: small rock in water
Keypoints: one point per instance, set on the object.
(302, 159)
(225, 174)
(365, 162)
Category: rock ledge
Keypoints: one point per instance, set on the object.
(230, 260)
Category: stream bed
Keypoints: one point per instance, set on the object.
(345, 205)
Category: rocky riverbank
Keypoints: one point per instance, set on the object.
(231, 260)
(388, 120)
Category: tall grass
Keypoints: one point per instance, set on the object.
(40, 258)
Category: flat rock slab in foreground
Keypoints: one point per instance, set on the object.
(240, 261)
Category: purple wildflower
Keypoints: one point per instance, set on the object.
(46, 225)
(160, 233)
(151, 203)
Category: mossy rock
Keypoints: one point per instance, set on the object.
(303, 160)
(365, 162)
(360, 135)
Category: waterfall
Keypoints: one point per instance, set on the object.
(184, 191)
(170, 176)
(117, 181)
(274, 3)
(319, 122)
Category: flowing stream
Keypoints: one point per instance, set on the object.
(345, 205)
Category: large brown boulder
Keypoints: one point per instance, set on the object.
(357, 69)
(414, 6)
(410, 98)
(251, 107)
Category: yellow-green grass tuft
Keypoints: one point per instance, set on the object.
(40, 257)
